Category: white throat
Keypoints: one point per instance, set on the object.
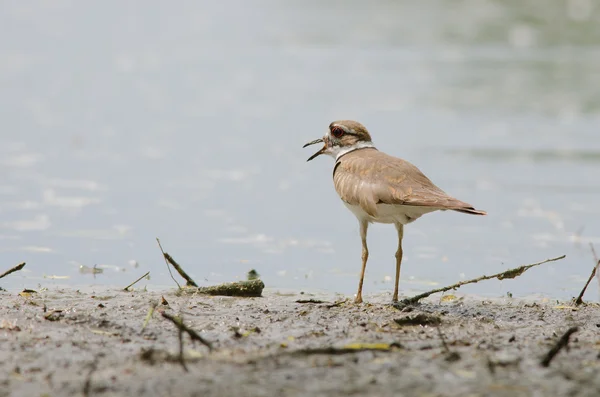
(338, 151)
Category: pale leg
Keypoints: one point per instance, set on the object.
(400, 228)
(365, 255)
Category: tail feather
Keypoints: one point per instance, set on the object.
(470, 210)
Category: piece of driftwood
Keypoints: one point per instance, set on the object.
(511, 273)
(248, 289)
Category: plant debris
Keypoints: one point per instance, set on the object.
(348, 349)
(562, 343)
(13, 269)
(579, 299)
(511, 273)
(247, 289)
(252, 275)
(169, 260)
(178, 321)
(315, 301)
(132, 284)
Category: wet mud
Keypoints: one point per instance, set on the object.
(118, 343)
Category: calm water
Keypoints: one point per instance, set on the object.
(123, 123)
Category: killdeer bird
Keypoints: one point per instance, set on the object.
(380, 188)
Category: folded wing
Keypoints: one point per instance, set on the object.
(368, 177)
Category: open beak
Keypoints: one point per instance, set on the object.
(320, 152)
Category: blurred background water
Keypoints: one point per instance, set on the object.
(127, 121)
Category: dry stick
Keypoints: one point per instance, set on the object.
(512, 273)
(579, 299)
(182, 273)
(153, 306)
(562, 342)
(342, 350)
(181, 326)
(167, 262)
(14, 269)
(130, 285)
(597, 262)
(181, 356)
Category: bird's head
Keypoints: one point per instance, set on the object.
(342, 137)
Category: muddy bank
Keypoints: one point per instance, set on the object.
(67, 343)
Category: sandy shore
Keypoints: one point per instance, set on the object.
(68, 343)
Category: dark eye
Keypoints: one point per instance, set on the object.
(337, 132)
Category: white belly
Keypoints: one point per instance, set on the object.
(389, 213)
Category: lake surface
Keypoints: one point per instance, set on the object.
(126, 122)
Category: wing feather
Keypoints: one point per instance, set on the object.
(367, 177)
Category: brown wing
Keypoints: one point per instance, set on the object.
(367, 177)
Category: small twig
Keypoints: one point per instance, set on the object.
(336, 304)
(12, 270)
(130, 285)
(167, 262)
(579, 299)
(328, 305)
(149, 315)
(511, 273)
(562, 343)
(345, 350)
(597, 262)
(181, 356)
(315, 301)
(181, 326)
(169, 259)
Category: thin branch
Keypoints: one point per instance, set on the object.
(181, 355)
(169, 260)
(579, 299)
(181, 326)
(130, 285)
(377, 347)
(512, 273)
(562, 343)
(14, 269)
